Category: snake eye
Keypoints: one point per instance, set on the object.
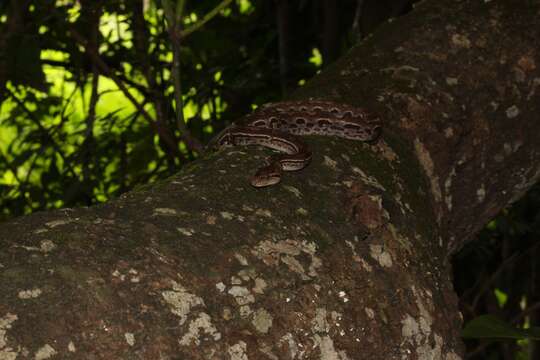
(375, 132)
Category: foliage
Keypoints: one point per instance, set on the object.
(498, 274)
(491, 327)
(89, 90)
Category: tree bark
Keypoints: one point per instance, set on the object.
(347, 259)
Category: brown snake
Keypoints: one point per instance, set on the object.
(277, 125)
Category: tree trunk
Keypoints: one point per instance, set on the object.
(347, 259)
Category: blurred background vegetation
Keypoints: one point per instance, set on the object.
(89, 99)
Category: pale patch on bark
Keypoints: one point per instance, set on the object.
(351, 245)
(260, 285)
(343, 296)
(512, 112)
(418, 331)
(267, 350)
(330, 162)
(383, 257)
(55, 223)
(245, 311)
(285, 252)
(238, 351)
(447, 189)
(130, 338)
(227, 215)
(452, 356)
(431, 351)
(292, 345)
(377, 199)
(164, 211)
(319, 323)
(328, 351)
(132, 273)
(227, 313)
(221, 286)
(262, 320)
(6, 353)
(247, 274)
(461, 40)
(186, 231)
(241, 259)
(387, 152)
(45, 352)
(263, 213)
(364, 263)
(534, 85)
(198, 327)
(45, 246)
(427, 164)
(370, 313)
(481, 193)
(235, 280)
(452, 81)
(71, 347)
(403, 241)
(368, 180)
(241, 295)
(448, 132)
(181, 301)
(409, 327)
(29, 294)
(293, 190)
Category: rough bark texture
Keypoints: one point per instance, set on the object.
(347, 259)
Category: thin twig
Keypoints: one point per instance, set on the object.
(205, 19)
(177, 79)
(174, 21)
(176, 35)
(356, 22)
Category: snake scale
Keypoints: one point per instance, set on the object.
(277, 126)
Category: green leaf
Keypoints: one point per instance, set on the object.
(489, 326)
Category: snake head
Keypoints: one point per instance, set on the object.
(374, 133)
(267, 175)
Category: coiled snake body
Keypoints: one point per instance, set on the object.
(277, 125)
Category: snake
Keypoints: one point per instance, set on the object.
(279, 125)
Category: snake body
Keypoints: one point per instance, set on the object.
(277, 126)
